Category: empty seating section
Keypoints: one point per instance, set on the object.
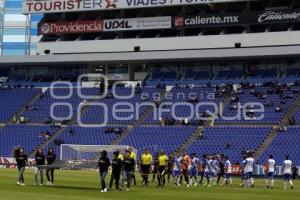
(230, 140)
(41, 108)
(286, 143)
(96, 114)
(26, 136)
(157, 138)
(13, 99)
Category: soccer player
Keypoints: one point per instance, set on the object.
(145, 165)
(155, 167)
(103, 165)
(133, 156)
(270, 172)
(243, 173)
(128, 168)
(208, 170)
(202, 168)
(248, 169)
(215, 169)
(287, 172)
(186, 164)
(194, 169)
(116, 171)
(176, 169)
(221, 161)
(51, 157)
(39, 162)
(21, 160)
(169, 167)
(162, 166)
(227, 170)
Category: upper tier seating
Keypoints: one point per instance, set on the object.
(13, 99)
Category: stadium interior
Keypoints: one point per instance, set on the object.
(217, 64)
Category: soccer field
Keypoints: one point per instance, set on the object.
(73, 185)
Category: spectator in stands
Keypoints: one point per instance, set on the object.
(22, 120)
(72, 132)
(38, 170)
(292, 121)
(103, 165)
(21, 160)
(51, 157)
(14, 120)
(279, 108)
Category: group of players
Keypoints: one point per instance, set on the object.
(184, 168)
(210, 170)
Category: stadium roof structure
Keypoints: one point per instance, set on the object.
(156, 56)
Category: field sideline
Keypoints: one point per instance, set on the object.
(75, 185)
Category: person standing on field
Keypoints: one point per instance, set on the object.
(21, 160)
(116, 171)
(38, 170)
(51, 157)
(103, 165)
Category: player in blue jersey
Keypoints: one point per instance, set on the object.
(176, 169)
(194, 169)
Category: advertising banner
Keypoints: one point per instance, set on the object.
(234, 19)
(52, 6)
(92, 26)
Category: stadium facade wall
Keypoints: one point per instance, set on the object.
(164, 44)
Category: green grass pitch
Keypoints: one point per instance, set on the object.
(75, 185)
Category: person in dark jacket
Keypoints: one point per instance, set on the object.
(103, 165)
(21, 160)
(116, 171)
(39, 162)
(51, 157)
(128, 168)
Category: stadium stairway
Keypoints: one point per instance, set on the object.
(275, 130)
(28, 104)
(189, 141)
(139, 122)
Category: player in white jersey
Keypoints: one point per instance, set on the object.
(287, 172)
(242, 171)
(194, 169)
(228, 171)
(215, 170)
(270, 167)
(176, 169)
(208, 169)
(248, 169)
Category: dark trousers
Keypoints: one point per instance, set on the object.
(115, 177)
(102, 177)
(21, 174)
(50, 175)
